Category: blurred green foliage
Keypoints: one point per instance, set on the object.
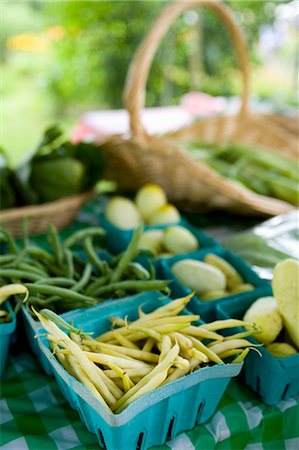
(101, 37)
(86, 66)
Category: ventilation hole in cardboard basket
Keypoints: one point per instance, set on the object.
(139, 442)
(200, 411)
(101, 439)
(170, 428)
(285, 392)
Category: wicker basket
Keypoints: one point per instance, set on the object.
(60, 213)
(142, 158)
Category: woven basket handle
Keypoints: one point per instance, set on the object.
(134, 92)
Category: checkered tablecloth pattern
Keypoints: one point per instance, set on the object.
(34, 415)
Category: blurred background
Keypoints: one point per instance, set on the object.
(59, 59)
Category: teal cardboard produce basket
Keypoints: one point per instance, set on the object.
(274, 379)
(6, 331)
(207, 309)
(117, 239)
(155, 417)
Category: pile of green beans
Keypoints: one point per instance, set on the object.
(265, 172)
(63, 279)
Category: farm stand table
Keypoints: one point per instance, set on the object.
(35, 416)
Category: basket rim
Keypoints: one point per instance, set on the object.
(44, 208)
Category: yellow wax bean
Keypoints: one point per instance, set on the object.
(81, 376)
(171, 309)
(240, 335)
(90, 368)
(135, 353)
(124, 363)
(118, 322)
(181, 363)
(197, 354)
(148, 345)
(116, 392)
(184, 341)
(167, 320)
(242, 356)
(228, 345)
(202, 333)
(140, 312)
(12, 289)
(128, 333)
(63, 360)
(226, 323)
(128, 383)
(179, 373)
(166, 329)
(148, 332)
(207, 351)
(165, 347)
(116, 369)
(161, 367)
(152, 384)
(124, 341)
(112, 353)
(232, 352)
(139, 372)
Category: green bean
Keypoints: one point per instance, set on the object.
(6, 259)
(30, 267)
(151, 271)
(44, 301)
(120, 293)
(33, 261)
(138, 270)
(147, 252)
(96, 284)
(40, 253)
(114, 261)
(128, 255)
(50, 301)
(84, 280)
(18, 274)
(59, 321)
(64, 293)
(134, 285)
(54, 269)
(93, 257)
(57, 281)
(54, 241)
(10, 240)
(70, 269)
(82, 234)
(18, 304)
(18, 259)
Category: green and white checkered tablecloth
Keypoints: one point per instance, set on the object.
(34, 415)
